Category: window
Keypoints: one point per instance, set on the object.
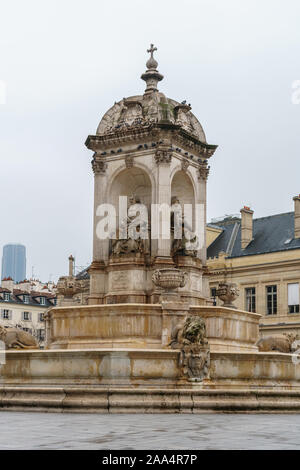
(6, 296)
(271, 300)
(41, 317)
(213, 295)
(41, 335)
(42, 301)
(250, 299)
(26, 316)
(6, 315)
(293, 298)
(26, 299)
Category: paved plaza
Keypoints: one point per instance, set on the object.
(206, 431)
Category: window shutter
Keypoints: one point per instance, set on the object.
(293, 294)
(10, 315)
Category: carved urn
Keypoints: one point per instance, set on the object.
(227, 292)
(169, 279)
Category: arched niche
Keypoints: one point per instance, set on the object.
(183, 188)
(131, 181)
(128, 182)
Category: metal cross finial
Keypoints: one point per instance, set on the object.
(152, 49)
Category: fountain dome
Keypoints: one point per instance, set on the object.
(151, 108)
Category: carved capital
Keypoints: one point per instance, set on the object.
(129, 161)
(163, 156)
(203, 172)
(99, 166)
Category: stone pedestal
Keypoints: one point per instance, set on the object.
(97, 272)
(127, 279)
(193, 292)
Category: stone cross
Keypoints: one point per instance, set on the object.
(152, 49)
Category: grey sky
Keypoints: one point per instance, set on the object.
(66, 62)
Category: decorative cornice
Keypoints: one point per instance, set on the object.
(99, 166)
(139, 133)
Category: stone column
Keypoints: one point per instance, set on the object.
(100, 247)
(163, 158)
(201, 200)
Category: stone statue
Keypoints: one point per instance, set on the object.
(190, 337)
(15, 338)
(278, 343)
(134, 243)
(227, 292)
(184, 246)
(182, 118)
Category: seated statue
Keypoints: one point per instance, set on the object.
(134, 243)
(15, 338)
(188, 241)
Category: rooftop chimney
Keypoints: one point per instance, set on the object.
(247, 226)
(297, 216)
(71, 265)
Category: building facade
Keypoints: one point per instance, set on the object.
(14, 262)
(23, 306)
(262, 256)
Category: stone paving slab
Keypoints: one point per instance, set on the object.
(19, 430)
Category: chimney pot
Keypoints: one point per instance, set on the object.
(297, 216)
(246, 226)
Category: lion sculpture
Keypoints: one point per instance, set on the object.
(15, 338)
(192, 330)
(190, 337)
(282, 343)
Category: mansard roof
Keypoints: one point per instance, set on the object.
(270, 234)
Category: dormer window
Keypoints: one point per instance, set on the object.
(6, 296)
(26, 299)
(42, 301)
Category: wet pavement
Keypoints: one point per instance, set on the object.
(206, 431)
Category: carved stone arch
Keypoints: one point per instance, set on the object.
(188, 176)
(123, 167)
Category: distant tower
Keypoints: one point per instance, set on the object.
(14, 262)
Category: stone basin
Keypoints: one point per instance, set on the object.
(147, 326)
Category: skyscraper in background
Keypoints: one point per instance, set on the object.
(14, 262)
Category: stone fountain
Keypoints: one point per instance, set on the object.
(148, 339)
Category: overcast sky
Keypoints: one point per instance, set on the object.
(66, 62)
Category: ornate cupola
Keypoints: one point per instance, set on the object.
(152, 149)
